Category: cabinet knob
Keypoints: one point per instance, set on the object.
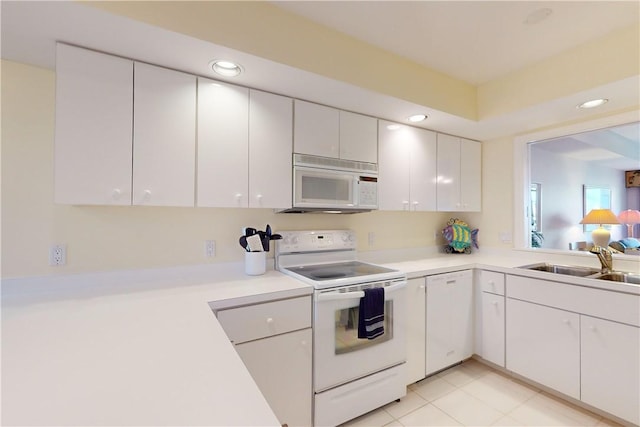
(116, 193)
(494, 303)
(269, 320)
(304, 343)
(421, 287)
(238, 196)
(593, 328)
(146, 195)
(259, 196)
(566, 321)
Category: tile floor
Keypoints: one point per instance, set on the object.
(473, 394)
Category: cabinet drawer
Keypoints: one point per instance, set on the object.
(262, 320)
(491, 281)
(624, 308)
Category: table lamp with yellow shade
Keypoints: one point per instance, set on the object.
(600, 235)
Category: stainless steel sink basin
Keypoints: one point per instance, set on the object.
(568, 270)
(617, 276)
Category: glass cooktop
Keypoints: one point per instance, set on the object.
(338, 270)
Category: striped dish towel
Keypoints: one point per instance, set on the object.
(371, 314)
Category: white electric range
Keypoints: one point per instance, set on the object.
(351, 375)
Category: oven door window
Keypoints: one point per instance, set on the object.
(346, 329)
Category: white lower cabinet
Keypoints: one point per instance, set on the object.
(274, 341)
(493, 328)
(416, 330)
(543, 344)
(281, 367)
(449, 329)
(610, 367)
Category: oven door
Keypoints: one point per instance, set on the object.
(339, 355)
(319, 188)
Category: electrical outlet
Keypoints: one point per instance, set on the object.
(209, 248)
(57, 255)
(372, 238)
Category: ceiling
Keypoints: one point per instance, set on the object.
(616, 147)
(475, 41)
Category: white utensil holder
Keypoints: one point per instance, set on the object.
(255, 263)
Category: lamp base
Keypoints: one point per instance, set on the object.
(601, 237)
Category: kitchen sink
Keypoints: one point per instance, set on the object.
(617, 276)
(568, 270)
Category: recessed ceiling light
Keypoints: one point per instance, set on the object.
(417, 118)
(225, 68)
(593, 103)
(537, 16)
(393, 127)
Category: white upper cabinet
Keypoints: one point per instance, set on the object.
(270, 150)
(459, 174)
(329, 132)
(406, 168)
(316, 129)
(164, 137)
(94, 121)
(223, 144)
(358, 137)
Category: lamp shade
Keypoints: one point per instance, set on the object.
(600, 216)
(629, 216)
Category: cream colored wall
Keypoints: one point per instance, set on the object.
(114, 238)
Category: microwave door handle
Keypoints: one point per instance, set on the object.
(340, 296)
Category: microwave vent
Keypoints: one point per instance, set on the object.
(330, 163)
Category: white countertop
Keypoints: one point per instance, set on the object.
(156, 356)
(144, 348)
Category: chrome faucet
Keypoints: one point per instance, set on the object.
(604, 255)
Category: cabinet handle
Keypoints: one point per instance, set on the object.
(116, 193)
(421, 287)
(593, 328)
(146, 195)
(495, 303)
(304, 343)
(259, 197)
(566, 321)
(269, 320)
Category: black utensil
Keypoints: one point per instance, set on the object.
(265, 240)
(243, 243)
(250, 231)
(276, 237)
(268, 231)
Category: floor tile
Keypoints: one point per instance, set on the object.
(499, 392)
(467, 409)
(461, 375)
(428, 415)
(507, 421)
(433, 388)
(546, 410)
(409, 403)
(395, 423)
(377, 418)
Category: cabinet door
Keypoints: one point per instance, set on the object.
(316, 130)
(449, 320)
(470, 175)
(422, 185)
(164, 137)
(270, 150)
(416, 330)
(281, 367)
(358, 137)
(610, 367)
(448, 173)
(94, 122)
(493, 328)
(223, 144)
(543, 344)
(393, 172)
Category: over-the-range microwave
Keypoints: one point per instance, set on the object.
(322, 184)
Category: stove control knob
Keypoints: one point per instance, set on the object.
(294, 240)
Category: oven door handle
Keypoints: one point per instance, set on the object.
(333, 296)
